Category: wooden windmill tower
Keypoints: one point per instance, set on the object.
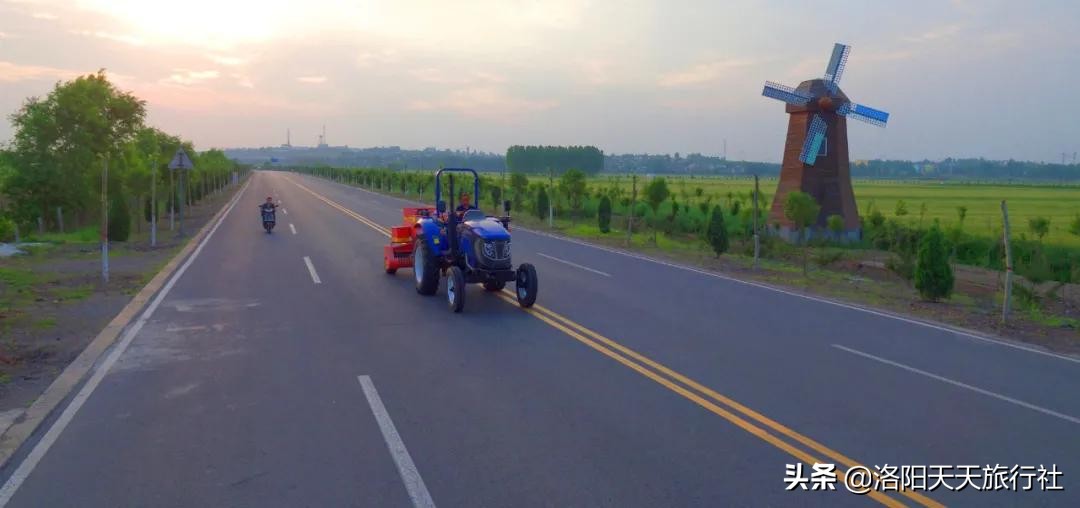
(816, 152)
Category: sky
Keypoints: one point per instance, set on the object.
(960, 78)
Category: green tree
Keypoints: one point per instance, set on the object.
(835, 224)
(119, 217)
(572, 185)
(801, 209)
(901, 208)
(518, 183)
(655, 193)
(933, 275)
(61, 142)
(603, 214)
(1074, 226)
(496, 197)
(961, 213)
(716, 232)
(1039, 226)
(542, 203)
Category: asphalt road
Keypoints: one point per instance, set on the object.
(635, 383)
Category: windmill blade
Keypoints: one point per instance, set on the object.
(815, 136)
(836, 63)
(865, 113)
(785, 93)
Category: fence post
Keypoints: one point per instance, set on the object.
(41, 225)
(1008, 264)
(630, 215)
(60, 218)
(757, 241)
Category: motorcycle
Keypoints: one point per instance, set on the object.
(268, 220)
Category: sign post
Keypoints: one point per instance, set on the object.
(153, 201)
(105, 220)
(181, 162)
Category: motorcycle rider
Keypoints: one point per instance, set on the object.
(269, 206)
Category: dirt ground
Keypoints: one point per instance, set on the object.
(53, 301)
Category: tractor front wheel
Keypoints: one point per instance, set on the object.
(455, 289)
(427, 274)
(526, 285)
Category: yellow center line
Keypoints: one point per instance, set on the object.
(638, 362)
(764, 420)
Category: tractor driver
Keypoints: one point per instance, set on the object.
(463, 204)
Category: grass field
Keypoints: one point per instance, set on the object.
(1060, 204)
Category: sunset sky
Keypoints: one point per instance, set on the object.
(984, 78)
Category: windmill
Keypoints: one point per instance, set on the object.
(816, 153)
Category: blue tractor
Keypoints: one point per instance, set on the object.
(462, 243)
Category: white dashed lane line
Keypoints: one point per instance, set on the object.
(311, 270)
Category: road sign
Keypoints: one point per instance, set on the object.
(181, 160)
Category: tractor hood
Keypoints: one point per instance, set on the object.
(488, 229)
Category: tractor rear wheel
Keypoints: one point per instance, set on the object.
(427, 274)
(526, 285)
(455, 289)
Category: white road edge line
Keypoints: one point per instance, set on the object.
(768, 287)
(575, 265)
(975, 389)
(284, 211)
(414, 484)
(42, 447)
(311, 269)
(292, 228)
(954, 331)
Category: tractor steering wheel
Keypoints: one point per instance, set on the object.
(473, 214)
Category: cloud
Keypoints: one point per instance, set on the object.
(382, 57)
(937, 34)
(441, 77)
(48, 16)
(886, 56)
(230, 61)
(126, 39)
(483, 102)
(243, 81)
(701, 73)
(312, 80)
(187, 77)
(12, 72)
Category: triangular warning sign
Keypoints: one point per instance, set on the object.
(181, 160)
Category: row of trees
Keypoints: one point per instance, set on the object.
(51, 173)
(542, 159)
(726, 222)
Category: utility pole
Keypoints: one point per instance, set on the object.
(180, 205)
(172, 202)
(757, 240)
(630, 215)
(105, 220)
(551, 199)
(1008, 264)
(153, 201)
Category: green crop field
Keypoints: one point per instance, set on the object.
(1060, 204)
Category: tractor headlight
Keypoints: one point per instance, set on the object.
(489, 250)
